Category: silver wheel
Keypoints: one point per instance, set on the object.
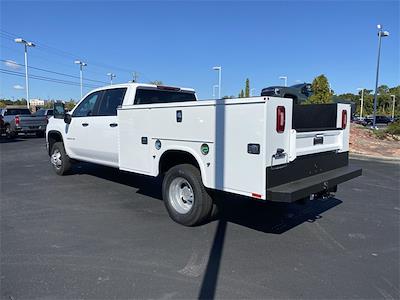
(181, 195)
(56, 159)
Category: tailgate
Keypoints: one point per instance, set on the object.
(317, 141)
(319, 128)
(32, 121)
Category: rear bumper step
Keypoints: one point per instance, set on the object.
(299, 189)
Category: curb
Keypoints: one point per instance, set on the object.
(358, 156)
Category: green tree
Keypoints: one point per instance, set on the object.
(247, 88)
(241, 95)
(321, 91)
(69, 105)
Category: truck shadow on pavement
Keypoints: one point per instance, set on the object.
(272, 217)
(268, 217)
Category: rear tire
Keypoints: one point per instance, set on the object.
(185, 196)
(9, 133)
(59, 159)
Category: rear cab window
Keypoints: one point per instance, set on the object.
(151, 95)
(17, 111)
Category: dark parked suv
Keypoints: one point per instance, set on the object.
(378, 120)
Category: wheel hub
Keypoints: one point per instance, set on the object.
(181, 195)
(55, 159)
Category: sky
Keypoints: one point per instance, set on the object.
(178, 42)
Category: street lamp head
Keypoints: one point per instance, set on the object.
(20, 40)
(217, 68)
(384, 33)
(78, 62)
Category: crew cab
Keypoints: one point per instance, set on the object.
(20, 120)
(259, 147)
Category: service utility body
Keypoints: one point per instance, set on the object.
(262, 147)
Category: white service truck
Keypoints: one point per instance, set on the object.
(261, 147)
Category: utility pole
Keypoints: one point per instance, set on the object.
(112, 76)
(219, 69)
(284, 78)
(362, 101)
(214, 87)
(381, 34)
(26, 44)
(394, 102)
(81, 65)
(135, 76)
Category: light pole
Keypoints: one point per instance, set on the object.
(214, 87)
(26, 44)
(362, 101)
(111, 77)
(394, 102)
(81, 65)
(381, 33)
(285, 78)
(219, 69)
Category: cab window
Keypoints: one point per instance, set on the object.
(110, 101)
(88, 106)
(148, 96)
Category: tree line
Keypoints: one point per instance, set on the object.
(322, 93)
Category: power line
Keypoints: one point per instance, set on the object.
(64, 53)
(44, 78)
(53, 72)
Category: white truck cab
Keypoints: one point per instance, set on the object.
(261, 147)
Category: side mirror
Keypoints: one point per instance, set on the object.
(59, 110)
(67, 118)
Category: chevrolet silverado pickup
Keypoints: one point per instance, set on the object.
(264, 147)
(20, 120)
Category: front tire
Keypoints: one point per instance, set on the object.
(185, 196)
(59, 159)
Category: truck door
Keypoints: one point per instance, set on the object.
(78, 133)
(105, 127)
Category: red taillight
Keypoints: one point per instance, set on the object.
(280, 119)
(255, 195)
(16, 120)
(344, 119)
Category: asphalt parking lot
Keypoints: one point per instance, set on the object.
(104, 234)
